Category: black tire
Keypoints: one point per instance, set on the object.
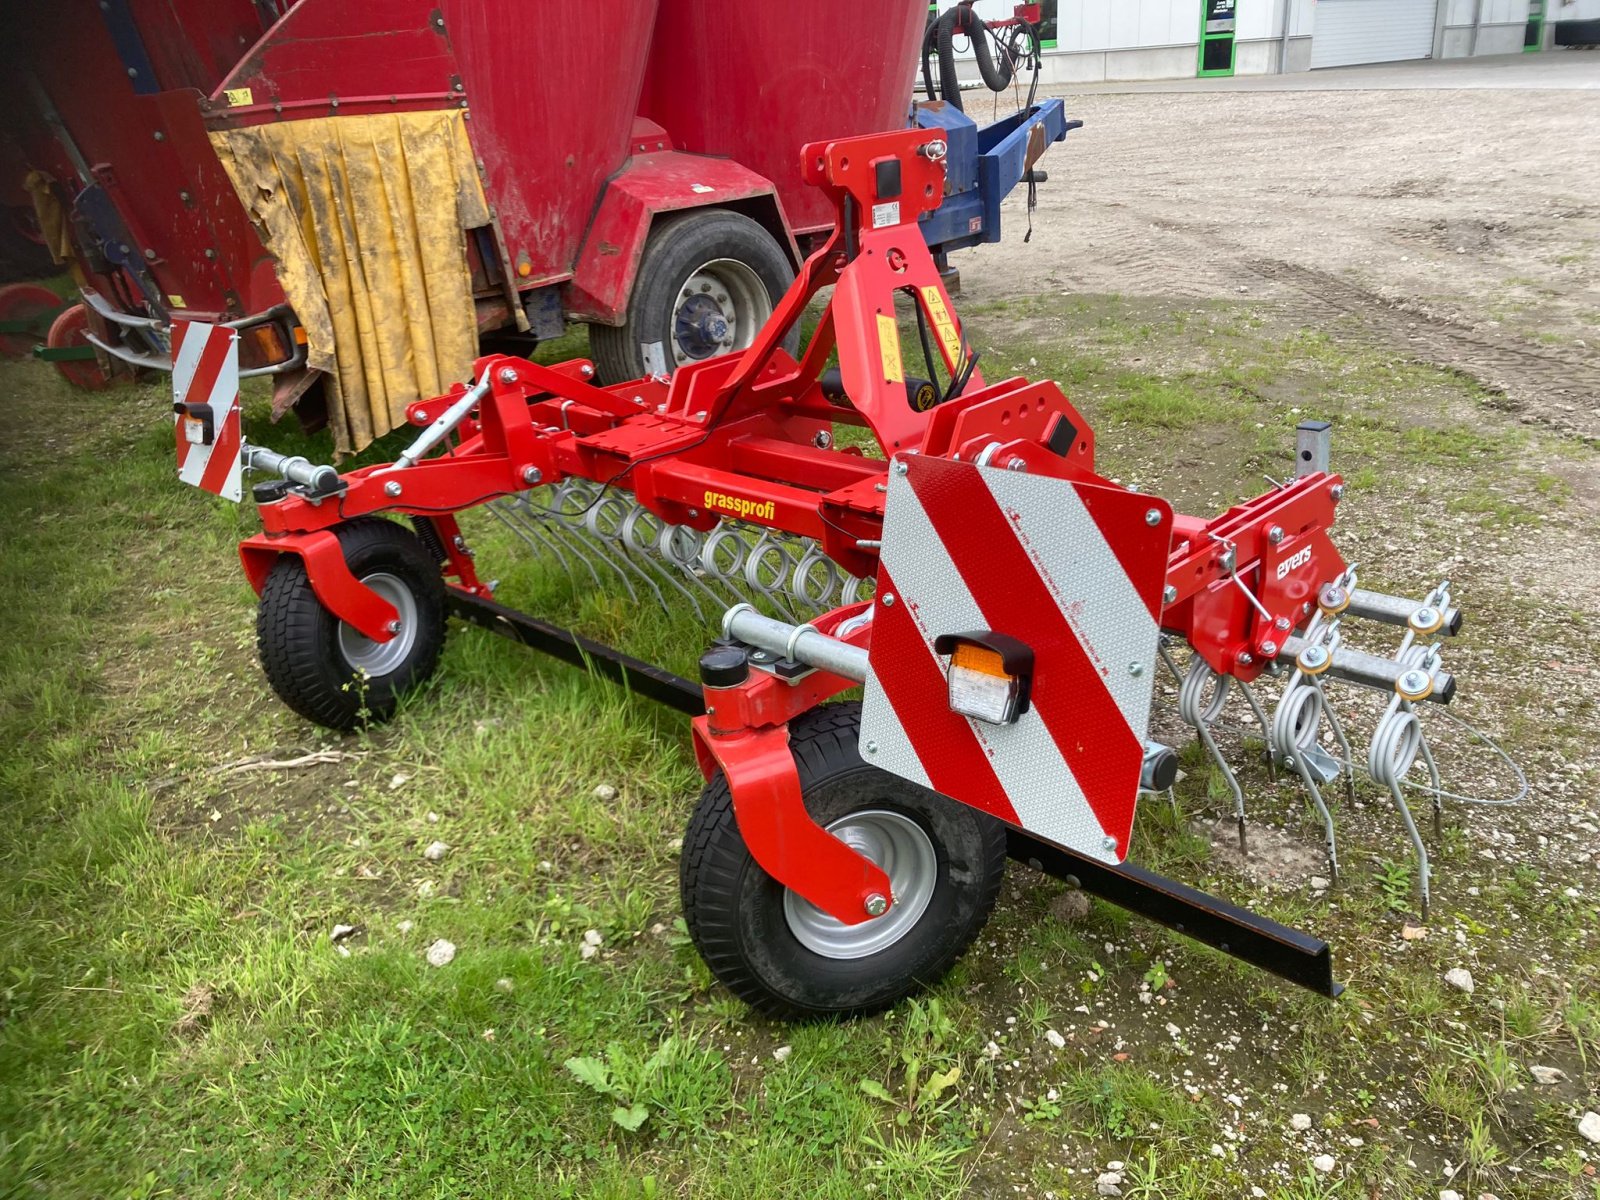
(736, 912)
(678, 247)
(304, 647)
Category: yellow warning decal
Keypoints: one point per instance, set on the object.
(889, 349)
(237, 97)
(176, 300)
(943, 324)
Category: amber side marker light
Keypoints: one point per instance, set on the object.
(990, 674)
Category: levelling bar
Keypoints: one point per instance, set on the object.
(1287, 953)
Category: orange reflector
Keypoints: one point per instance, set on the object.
(262, 346)
(979, 658)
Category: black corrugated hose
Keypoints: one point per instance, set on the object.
(996, 70)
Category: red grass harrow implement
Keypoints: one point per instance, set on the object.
(1004, 608)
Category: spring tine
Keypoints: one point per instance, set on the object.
(528, 529)
(1395, 744)
(1198, 712)
(1330, 838)
(1266, 726)
(592, 551)
(1344, 743)
(1165, 651)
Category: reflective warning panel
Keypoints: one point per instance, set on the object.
(1014, 643)
(205, 392)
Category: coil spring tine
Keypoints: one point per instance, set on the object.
(644, 559)
(1295, 725)
(1199, 715)
(591, 551)
(1395, 744)
(531, 530)
(1344, 744)
(1266, 726)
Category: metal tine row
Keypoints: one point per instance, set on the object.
(1294, 731)
(613, 538)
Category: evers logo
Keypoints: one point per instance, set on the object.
(1293, 563)
(739, 506)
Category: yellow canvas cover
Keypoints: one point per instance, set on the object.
(365, 217)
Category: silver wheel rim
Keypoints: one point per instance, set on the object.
(718, 310)
(377, 659)
(903, 850)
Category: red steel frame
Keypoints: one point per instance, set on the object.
(749, 436)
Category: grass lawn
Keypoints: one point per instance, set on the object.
(176, 1019)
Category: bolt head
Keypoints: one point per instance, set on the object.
(586, 371)
(1413, 681)
(1314, 656)
(1109, 843)
(1275, 534)
(1336, 492)
(1169, 594)
(823, 440)
(393, 626)
(422, 416)
(1269, 649)
(1281, 623)
(1135, 669)
(876, 905)
(391, 489)
(901, 466)
(1245, 658)
(507, 375)
(531, 475)
(1152, 517)
(888, 599)
(870, 747)
(1016, 464)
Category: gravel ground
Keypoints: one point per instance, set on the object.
(1454, 217)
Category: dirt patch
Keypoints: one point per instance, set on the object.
(1451, 225)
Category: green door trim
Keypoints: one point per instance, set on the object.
(1218, 41)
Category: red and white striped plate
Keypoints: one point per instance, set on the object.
(205, 370)
(1076, 571)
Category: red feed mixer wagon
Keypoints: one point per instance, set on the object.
(1003, 607)
(371, 191)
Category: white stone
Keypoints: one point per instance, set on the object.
(592, 937)
(1323, 1163)
(1300, 1122)
(588, 951)
(1545, 1076)
(440, 953)
(1054, 1038)
(605, 793)
(1116, 1164)
(340, 932)
(503, 984)
(1320, 883)
(406, 926)
(1590, 1127)
(398, 780)
(436, 851)
(1459, 978)
(1257, 1194)
(1447, 1194)
(1217, 1151)
(781, 1053)
(1108, 1183)
(425, 888)
(433, 818)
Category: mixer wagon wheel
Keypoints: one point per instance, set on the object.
(707, 283)
(788, 958)
(329, 672)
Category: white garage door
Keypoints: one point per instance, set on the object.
(1370, 31)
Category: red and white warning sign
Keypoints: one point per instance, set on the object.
(992, 580)
(205, 392)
